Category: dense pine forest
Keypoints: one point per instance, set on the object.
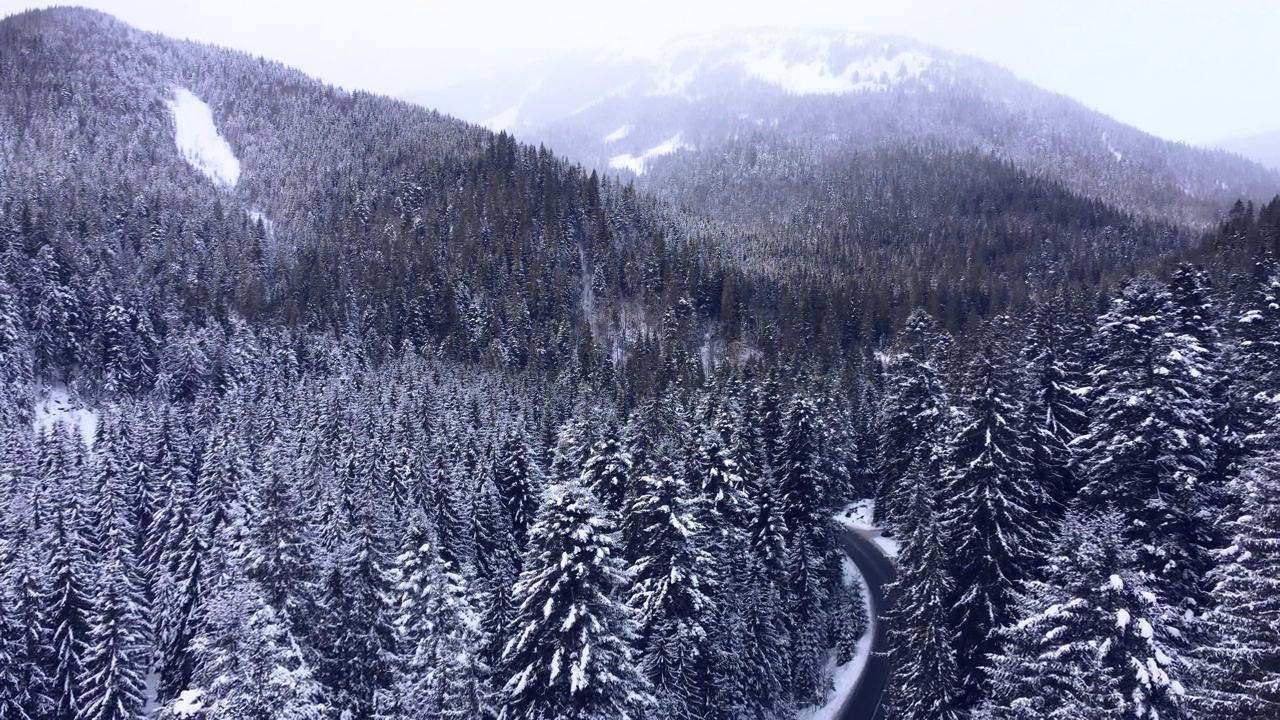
(411, 420)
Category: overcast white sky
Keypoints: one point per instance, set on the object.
(1189, 70)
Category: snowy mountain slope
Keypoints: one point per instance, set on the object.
(832, 95)
(199, 141)
(1262, 148)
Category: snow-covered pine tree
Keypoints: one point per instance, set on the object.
(766, 657)
(496, 568)
(925, 684)
(180, 611)
(441, 673)
(1055, 406)
(516, 476)
(116, 655)
(356, 633)
(277, 554)
(608, 469)
(68, 614)
(25, 686)
(249, 665)
(805, 513)
(1254, 375)
(169, 491)
(1093, 642)
(990, 519)
(913, 411)
(1150, 443)
(672, 575)
(572, 652)
(1242, 664)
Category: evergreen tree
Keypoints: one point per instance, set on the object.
(115, 658)
(249, 665)
(913, 412)
(805, 509)
(1056, 407)
(925, 683)
(441, 674)
(356, 639)
(516, 476)
(496, 568)
(1150, 444)
(1242, 664)
(571, 654)
(607, 470)
(990, 524)
(672, 577)
(68, 614)
(24, 648)
(1092, 640)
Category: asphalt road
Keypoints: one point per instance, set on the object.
(866, 702)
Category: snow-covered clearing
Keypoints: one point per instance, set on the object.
(637, 164)
(619, 134)
(188, 703)
(1119, 156)
(58, 407)
(267, 224)
(506, 119)
(858, 516)
(816, 77)
(199, 141)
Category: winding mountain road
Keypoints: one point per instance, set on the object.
(866, 702)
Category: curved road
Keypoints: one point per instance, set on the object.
(866, 700)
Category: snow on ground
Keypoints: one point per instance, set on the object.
(188, 703)
(845, 677)
(858, 516)
(199, 140)
(506, 119)
(1119, 156)
(58, 407)
(619, 134)
(150, 694)
(267, 224)
(637, 164)
(816, 77)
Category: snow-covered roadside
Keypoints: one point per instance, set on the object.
(845, 677)
(858, 516)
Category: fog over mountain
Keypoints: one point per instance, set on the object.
(818, 96)
(779, 375)
(1263, 148)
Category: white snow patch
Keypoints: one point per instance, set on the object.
(188, 703)
(199, 141)
(58, 407)
(636, 164)
(857, 516)
(1117, 583)
(506, 119)
(619, 134)
(151, 694)
(1119, 156)
(1122, 618)
(267, 223)
(816, 76)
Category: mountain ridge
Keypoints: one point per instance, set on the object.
(831, 94)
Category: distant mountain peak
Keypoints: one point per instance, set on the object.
(797, 63)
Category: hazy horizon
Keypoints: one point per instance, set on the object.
(1182, 70)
